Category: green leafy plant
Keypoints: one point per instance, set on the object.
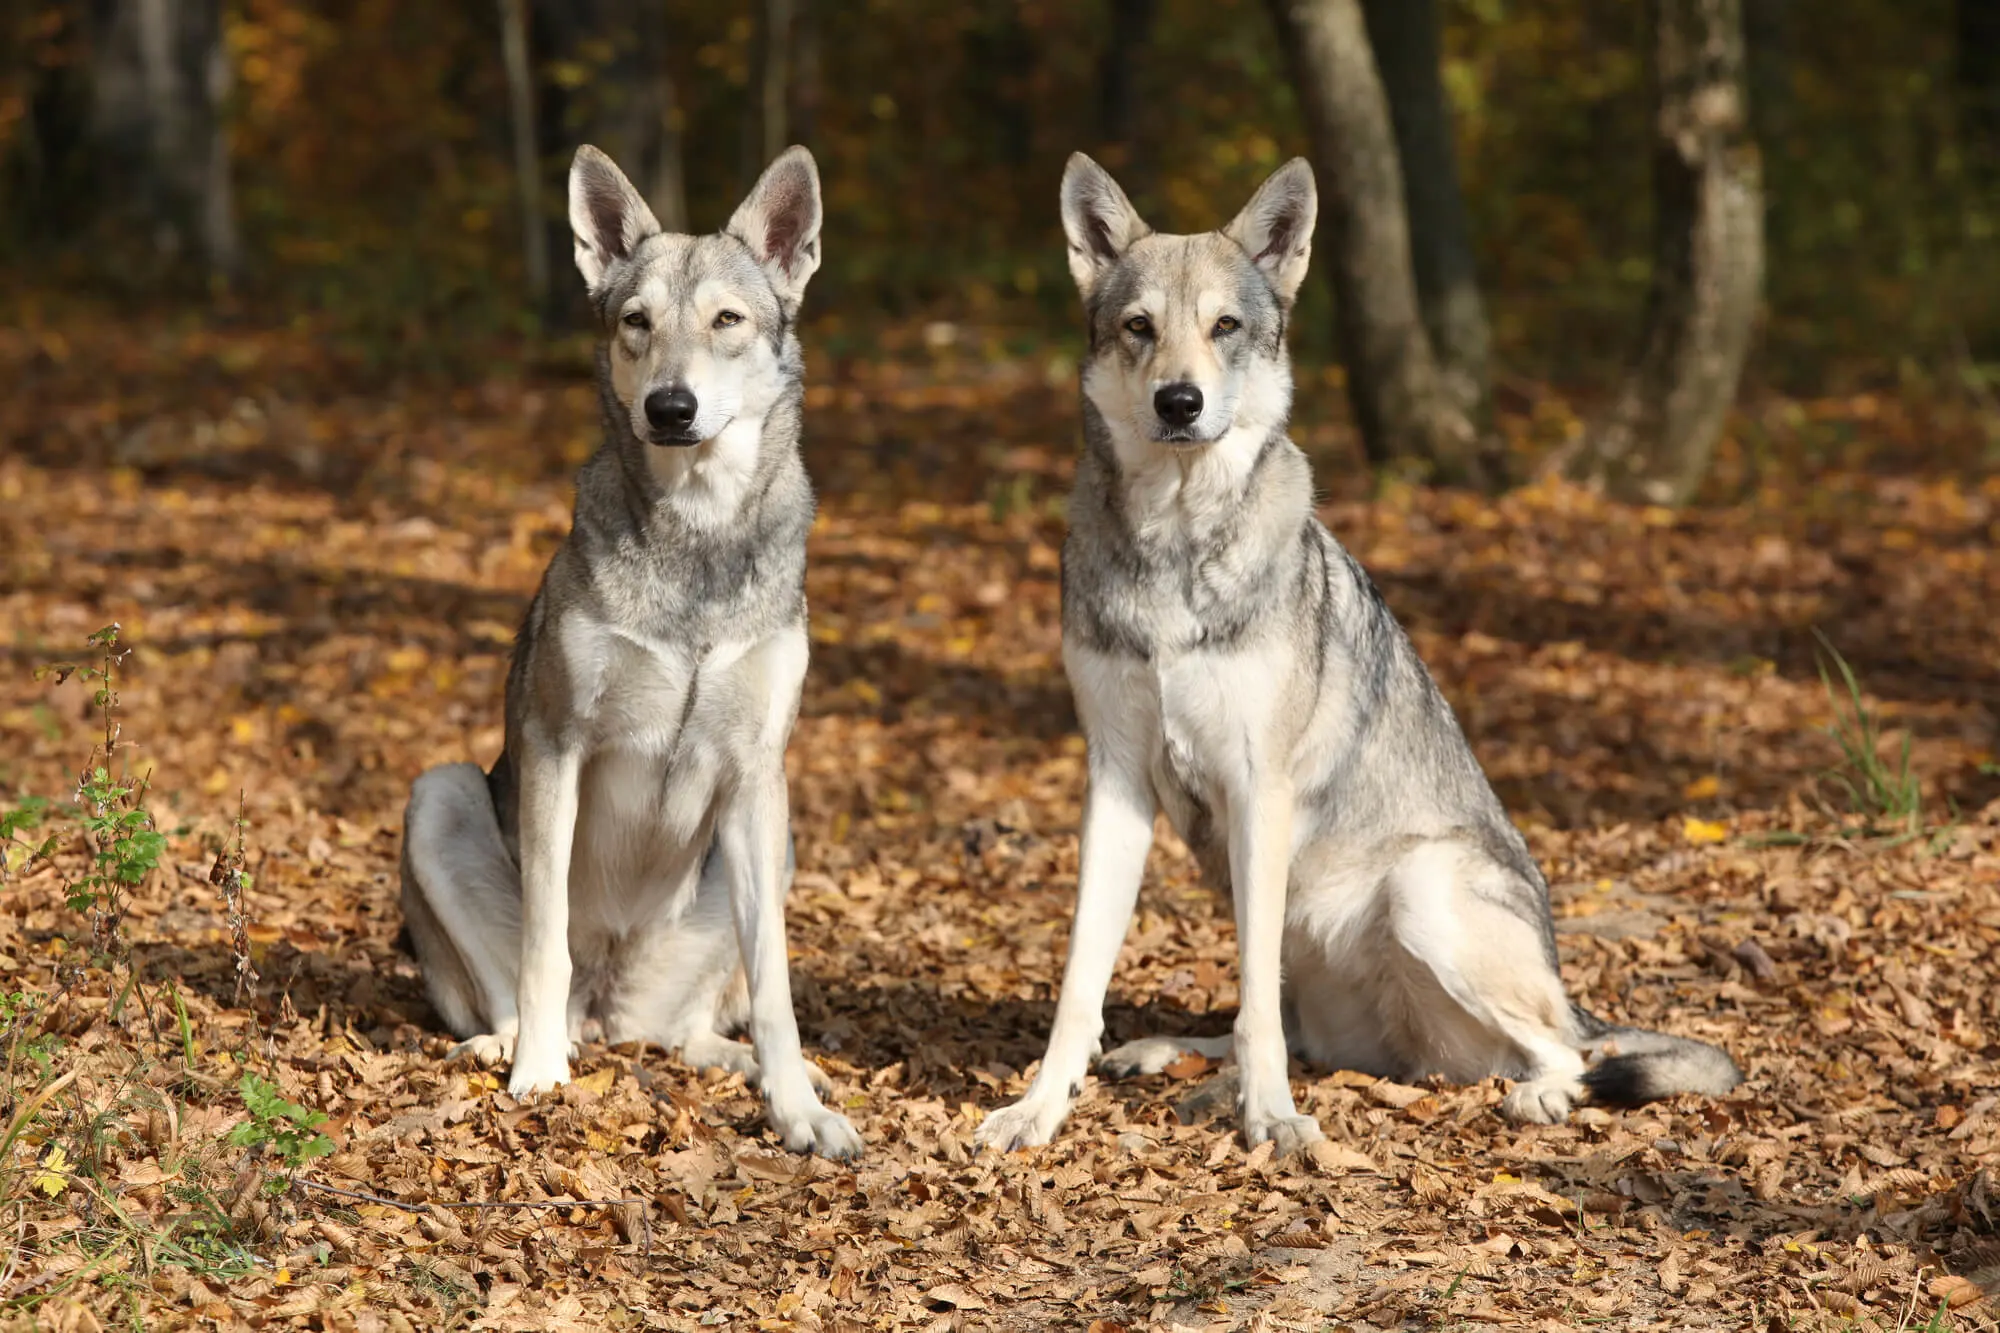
(109, 816)
(289, 1130)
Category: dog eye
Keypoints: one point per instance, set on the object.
(728, 319)
(1139, 326)
(1227, 324)
(636, 319)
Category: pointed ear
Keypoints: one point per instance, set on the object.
(1098, 219)
(608, 216)
(780, 223)
(1276, 226)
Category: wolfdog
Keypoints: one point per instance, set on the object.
(1233, 664)
(622, 870)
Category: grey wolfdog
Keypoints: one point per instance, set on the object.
(623, 867)
(1233, 664)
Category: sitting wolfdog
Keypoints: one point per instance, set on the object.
(1233, 664)
(625, 863)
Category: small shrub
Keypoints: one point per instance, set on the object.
(109, 818)
(288, 1129)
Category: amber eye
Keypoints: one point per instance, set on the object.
(1139, 326)
(728, 319)
(636, 319)
(1227, 324)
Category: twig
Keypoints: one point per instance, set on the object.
(645, 1223)
(227, 875)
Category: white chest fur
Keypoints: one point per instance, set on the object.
(1202, 719)
(670, 727)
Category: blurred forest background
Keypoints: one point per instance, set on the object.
(370, 170)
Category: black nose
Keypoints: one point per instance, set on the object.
(1178, 404)
(674, 409)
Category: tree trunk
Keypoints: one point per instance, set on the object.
(1655, 442)
(527, 159)
(1404, 36)
(605, 80)
(808, 75)
(221, 243)
(774, 78)
(666, 185)
(1400, 399)
(1978, 25)
(1117, 91)
(161, 76)
(645, 121)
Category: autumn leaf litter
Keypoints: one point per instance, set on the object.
(321, 589)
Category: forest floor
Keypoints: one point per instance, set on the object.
(319, 585)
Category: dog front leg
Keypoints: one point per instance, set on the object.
(1260, 855)
(548, 801)
(753, 833)
(1117, 833)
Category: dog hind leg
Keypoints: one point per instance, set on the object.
(462, 902)
(682, 988)
(1486, 998)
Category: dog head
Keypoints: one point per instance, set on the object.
(1187, 332)
(696, 326)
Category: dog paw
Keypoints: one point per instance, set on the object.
(709, 1051)
(1287, 1134)
(531, 1075)
(1539, 1103)
(1028, 1123)
(1148, 1055)
(488, 1048)
(738, 1057)
(818, 1130)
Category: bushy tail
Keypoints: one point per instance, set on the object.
(1637, 1065)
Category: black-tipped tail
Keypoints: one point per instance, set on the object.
(1646, 1066)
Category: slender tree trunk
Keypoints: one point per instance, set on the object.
(527, 159)
(622, 98)
(1978, 24)
(650, 129)
(162, 77)
(1117, 91)
(808, 76)
(165, 95)
(1408, 51)
(774, 78)
(1655, 442)
(1400, 398)
(221, 243)
(666, 190)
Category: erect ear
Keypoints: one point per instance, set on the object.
(1276, 226)
(1098, 219)
(608, 216)
(780, 223)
